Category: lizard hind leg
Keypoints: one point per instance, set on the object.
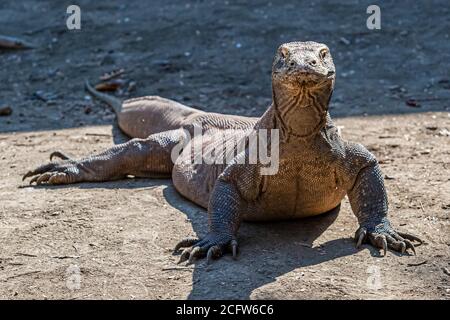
(151, 158)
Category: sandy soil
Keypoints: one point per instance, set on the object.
(113, 240)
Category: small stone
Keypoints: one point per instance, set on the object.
(394, 87)
(412, 103)
(446, 271)
(344, 41)
(5, 111)
(87, 109)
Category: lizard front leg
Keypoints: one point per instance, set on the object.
(149, 157)
(369, 203)
(223, 219)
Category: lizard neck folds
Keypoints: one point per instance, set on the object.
(303, 75)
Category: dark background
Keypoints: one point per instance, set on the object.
(217, 55)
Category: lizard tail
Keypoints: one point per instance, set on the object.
(113, 102)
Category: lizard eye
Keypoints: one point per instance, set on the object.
(323, 53)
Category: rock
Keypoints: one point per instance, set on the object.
(344, 41)
(14, 43)
(87, 109)
(5, 111)
(412, 103)
(44, 96)
(444, 83)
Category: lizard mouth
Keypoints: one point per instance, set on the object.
(314, 79)
(304, 78)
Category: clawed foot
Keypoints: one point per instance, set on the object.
(384, 236)
(54, 172)
(212, 246)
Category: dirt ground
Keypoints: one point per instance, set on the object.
(113, 240)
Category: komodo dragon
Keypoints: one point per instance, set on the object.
(317, 168)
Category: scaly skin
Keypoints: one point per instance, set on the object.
(317, 168)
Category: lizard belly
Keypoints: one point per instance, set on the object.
(195, 180)
(299, 189)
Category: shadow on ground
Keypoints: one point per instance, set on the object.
(268, 250)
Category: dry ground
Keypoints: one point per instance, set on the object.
(216, 55)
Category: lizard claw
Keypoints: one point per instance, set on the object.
(60, 155)
(234, 246)
(410, 237)
(385, 237)
(360, 235)
(213, 252)
(184, 255)
(410, 245)
(56, 173)
(39, 170)
(212, 246)
(187, 242)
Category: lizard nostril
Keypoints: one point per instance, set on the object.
(292, 63)
(313, 62)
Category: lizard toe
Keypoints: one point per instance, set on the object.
(411, 237)
(360, 236)
(40, 170)
(59, 154)
(388, 238)
(54, 173)
(234, 247)
(378, 241)
(185, 255)
(186, 242)
(59, 178)
(212, 246)
(396, 244)
(214, 252)
(197, 252)
(43, 178)
(407, 244)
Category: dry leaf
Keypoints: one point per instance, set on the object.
(5, 111)
(112, 85)
(14, 43)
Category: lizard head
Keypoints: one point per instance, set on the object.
(303, 64)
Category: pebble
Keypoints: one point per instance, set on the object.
(345, 41)
(5, 111)
(446, 271)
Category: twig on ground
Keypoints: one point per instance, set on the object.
(22, 274)
(417, 264)
(26, 254)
